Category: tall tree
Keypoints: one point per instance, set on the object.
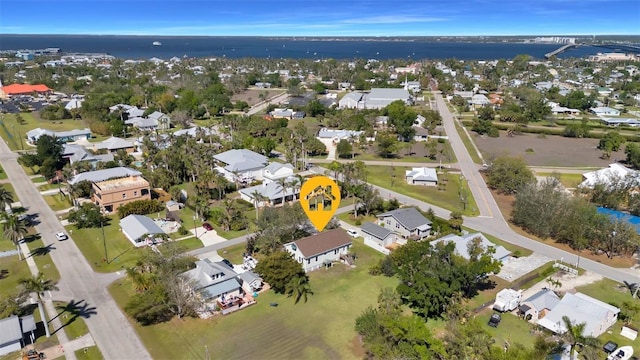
(575, 336)
(508, 174)
(6, 198)
(39, 285)
(15, 229)
(299, 288)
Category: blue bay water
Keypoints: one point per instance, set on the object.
(141, 47)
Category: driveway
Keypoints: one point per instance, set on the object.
(208, 237)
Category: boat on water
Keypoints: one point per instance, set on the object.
(157, 43)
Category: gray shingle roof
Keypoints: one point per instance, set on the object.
(241, 160)
(410, 218)
(138, 225)
(543, 299)
(105, 174)
(375, 230)
(10, 330)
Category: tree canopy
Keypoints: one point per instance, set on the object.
(508, 174)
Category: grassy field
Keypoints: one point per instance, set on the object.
(40, 254)
(72, 321)
(3, 174)
(511, 330)
(10, 188)
(613, 293)
(57, 202)
(448, 199)
(12, 130)
(12, 271)
(320, 329)
(233, 253)
(468, 144)
(90, 353)
(567, 180)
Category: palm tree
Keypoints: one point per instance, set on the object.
(299, 288)
(15, 229)
(6, 198)
(39, 285)
(574, 336)
(258, 199)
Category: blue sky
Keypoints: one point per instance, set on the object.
(320, 17)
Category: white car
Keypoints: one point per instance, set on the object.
(61, 236)
(353, 233)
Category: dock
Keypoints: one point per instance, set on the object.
(560, 50)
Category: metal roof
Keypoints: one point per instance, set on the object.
(10, 330)
(580, 308)
(241, 160)
(462, 244)
(136, 226)
(104, 174)
(218, 289)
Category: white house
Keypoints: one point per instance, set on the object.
(241, 165)
(608, 175)
(406, 222)
(479, 100)
(462, 245)
(321, 249)
(620, 121)
(421, 134)
(538, 305)
(561, 110)
(275, 171)
(337, 135)
(580, 308)
(605, 111)
(13, 330)
(270, 194)
(377, 98)
(139, 229)
(421, 176)
(378, 237)
(64, 136)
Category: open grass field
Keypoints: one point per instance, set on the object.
(57, 202)
(14, 133)
(511, 330)
(551, 150)
(613, 293)
(448, 198)
(569, 181)
(90, 353)
(322, 328)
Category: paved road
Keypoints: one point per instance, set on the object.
(491, 220)
(264, 104)
(109, 327)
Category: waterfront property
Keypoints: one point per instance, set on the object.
(319, 250)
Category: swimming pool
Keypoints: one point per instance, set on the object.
(619, 215)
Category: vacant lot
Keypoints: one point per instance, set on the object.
(548, 151)
(322, 328)
(254, 96)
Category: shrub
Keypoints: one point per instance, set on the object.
(529, 150)
(183, 230)
(140, 207)
(358, 222)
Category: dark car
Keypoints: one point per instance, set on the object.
(207, 226)
(610, 347)
(229, 264)
(494, 320)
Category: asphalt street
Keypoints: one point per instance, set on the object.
(111, 330)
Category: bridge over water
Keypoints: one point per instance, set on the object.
(626, 48)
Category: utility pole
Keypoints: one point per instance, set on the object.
(104, 240)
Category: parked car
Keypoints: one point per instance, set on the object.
(494, 320)
(353, 233)
(229, 264)
(61, 236)
(207, 226)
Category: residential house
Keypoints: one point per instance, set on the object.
(214, 281)
(77, 153)
(73, 104)
(419, 120)
(378, 237)
(463, 242)
(337, 135)
(251, 282)
(275, 171)
(140, 230)
(194, 131)
(561, 110)
(12, 332)
(163, 120)
(615, 172)
(279, 113)
(598, 316)
(605, 111)
(114, 192)
(421, 176)
(421, 134)
(377, 98)
(105, 174)
(479, 101)
(320, 249)
(241, 165)
(406, 222)
(269, 194)
(538, 305)
(632, 122)
(112, 145)
(64, 136)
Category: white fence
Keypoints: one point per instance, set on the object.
(372, 244)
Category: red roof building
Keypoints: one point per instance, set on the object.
(24, 89)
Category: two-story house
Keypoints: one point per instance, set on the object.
(241, 165)
(320, 249)
(113, 193)
(408, 223)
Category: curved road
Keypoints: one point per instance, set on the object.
(491, 220)
(109, 327)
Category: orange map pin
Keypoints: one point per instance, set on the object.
(320, 198)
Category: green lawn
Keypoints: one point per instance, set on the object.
(234, 253)
(323, 328)
(11, 131)
(568, 180)
(468, 144)
(12, 271)
(10, 188)
(41, 256)
(73, 325)
(90, 353)
(120, 251)
(613, 293)
(38, 179)
(511, 330)
(190, 244)
(348, 218)
(448, 199)
(3, 174)
(57, 202)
